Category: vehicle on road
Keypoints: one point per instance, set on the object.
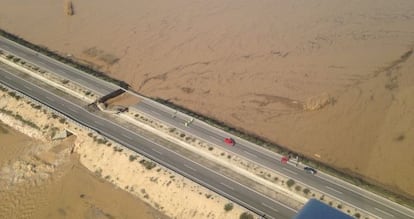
(310, 170)
(229, 141)
(284, 159)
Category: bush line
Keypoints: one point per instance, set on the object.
(342, 174)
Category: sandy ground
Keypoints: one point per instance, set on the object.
(321, 77)
(67, 191)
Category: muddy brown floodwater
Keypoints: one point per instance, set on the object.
(69, 191)
(331, 79)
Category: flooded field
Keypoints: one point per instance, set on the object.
(31, 188)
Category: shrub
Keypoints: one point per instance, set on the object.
(246, 215)
(290, 183)
(306, 191)
(210, 148)
(357, 215)
(339, 206)
(148, 164)
(298, 188)
(132, 157)
(102, 141)
(228, 207)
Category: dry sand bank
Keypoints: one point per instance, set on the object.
(256, 64)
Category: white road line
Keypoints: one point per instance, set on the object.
(126, 136)
(156, 151)
(384, 212)
(271, 207)
(227, 186)
(97, 122)
(72, 110)
(156, 113)
(28, 88)
(50, 100)
(177, 154)
(246, 152)
(190, 168)
(290, 171)
(339, 192)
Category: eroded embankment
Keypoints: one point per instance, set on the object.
(163, 189)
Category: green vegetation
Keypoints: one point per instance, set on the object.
(228, 207)
(246, 215)
(20, 118)
(101, 141)
(290, 183)
(148, 164)
(132, 157)
(306, 191)
(340, 173)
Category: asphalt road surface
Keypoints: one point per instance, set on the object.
(221, 184)
(348, 193)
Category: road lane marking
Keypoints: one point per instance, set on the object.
(48, 98)
(254, 155)
(271, 207)
(126, 136)
(384, 212)
(190, 168)
(330, 188)
(156, 151)
(97, 122)
(290, 171)
(156, 113)
(229, 187)
(72, 110)
(28, 88)
(169, 165)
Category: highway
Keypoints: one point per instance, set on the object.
(358, 197)
(221, 184)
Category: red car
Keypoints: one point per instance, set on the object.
(284, 159)
(229, 141)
